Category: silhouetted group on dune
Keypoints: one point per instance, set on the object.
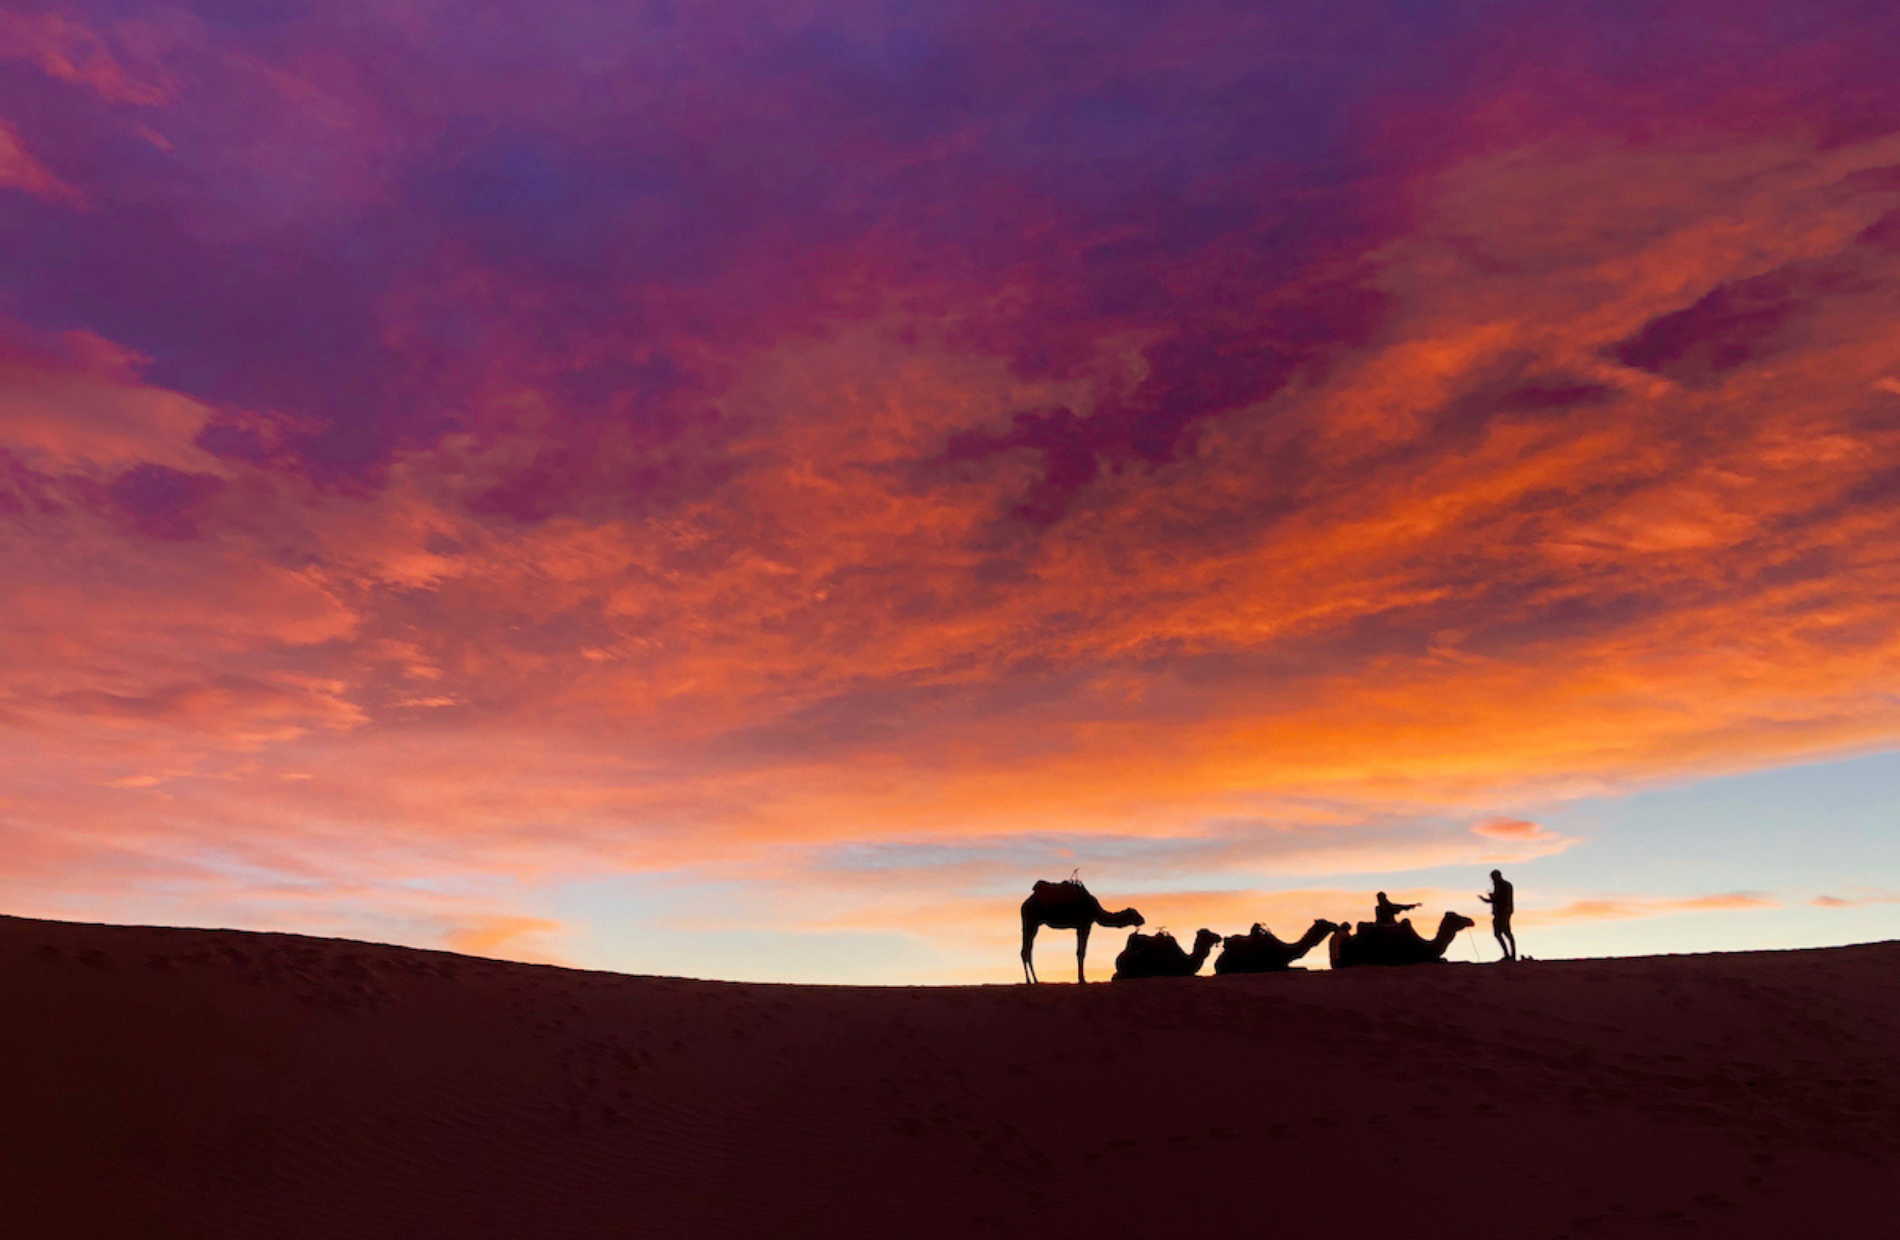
(1385, 940)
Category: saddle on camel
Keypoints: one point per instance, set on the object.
(1159, 955)
(1376, 944)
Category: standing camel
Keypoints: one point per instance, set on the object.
(1067, 906)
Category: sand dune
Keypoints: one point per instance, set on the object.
(225, 1084)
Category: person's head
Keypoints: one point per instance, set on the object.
(1382, 898)
(1496, 876)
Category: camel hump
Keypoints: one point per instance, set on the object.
(1068, 891)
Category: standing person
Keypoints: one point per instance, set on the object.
(1502, 901)
(1386, 913)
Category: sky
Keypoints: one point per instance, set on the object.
(743, 489)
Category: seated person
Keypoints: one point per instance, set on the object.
(1386, 913)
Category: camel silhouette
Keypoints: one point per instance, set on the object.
(1067, 906)
(1400, 944)
(1158, 955)
(1263, 952)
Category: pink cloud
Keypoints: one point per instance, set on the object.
(63, 48)
(19, 170)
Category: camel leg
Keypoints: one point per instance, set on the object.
(1029, 942)
(1081, 950)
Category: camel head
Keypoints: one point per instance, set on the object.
(1205, 940)
(1457, 922)
(1315, 935)
(1127, 917)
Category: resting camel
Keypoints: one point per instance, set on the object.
(1400, 944)
(1263, 952)
(1067, 906)
(1158, 955)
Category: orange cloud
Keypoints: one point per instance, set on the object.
(79, 404)
(246, 713)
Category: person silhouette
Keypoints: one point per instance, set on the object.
(1502, 902)
(1386, 913)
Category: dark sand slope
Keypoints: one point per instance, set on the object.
(223, 1084)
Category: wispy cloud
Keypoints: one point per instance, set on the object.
(1856, 900)
(20, 171)
(1612, 909)
(64, 48)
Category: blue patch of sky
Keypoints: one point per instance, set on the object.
(1787, 835)
(1797, 831)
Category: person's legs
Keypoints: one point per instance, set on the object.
(1506, 939)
